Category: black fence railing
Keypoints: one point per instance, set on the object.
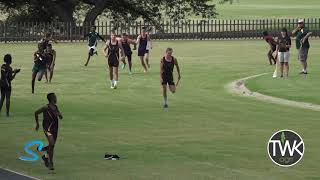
(166, 30)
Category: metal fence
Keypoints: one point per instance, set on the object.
(166, 30)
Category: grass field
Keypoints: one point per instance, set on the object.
(207, 133)
(297, 87)
(256, 9)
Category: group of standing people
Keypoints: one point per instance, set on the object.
(281, 47)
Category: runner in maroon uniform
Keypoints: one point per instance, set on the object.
(51, 60)
(273, 46)
(50, 124)
(7, 75)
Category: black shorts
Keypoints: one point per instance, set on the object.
(5, 89)
(51, 132)
(142, 52)
(113, 62)
(129, 56)
(167, 80)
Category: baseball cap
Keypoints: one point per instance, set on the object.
(300, 21)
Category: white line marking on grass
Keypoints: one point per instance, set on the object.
(21, 174)
(238, 87)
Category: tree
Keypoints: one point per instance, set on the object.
(122, 10)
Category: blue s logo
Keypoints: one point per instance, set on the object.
(34, 156)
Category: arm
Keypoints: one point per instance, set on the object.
(138, 39)
(149, 41)
(130, 41)
(121, 49)
(86, 35)
(303, 40)
(178, 68)
(105, 49)
(161, 71)
(289, 44)
(101, 38)
(15, 72)
(59, 114)
(294, 32)
(54, 59)
(36, 116)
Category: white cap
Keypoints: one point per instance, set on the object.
(301, 21)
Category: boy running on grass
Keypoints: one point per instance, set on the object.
(272, 45)
(39, 66)
(51, 60)
(126, 42)
(93, 42)
(167, 64)
(111, 51)
(50, 124)
(144, 42)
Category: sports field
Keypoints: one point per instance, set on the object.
(206, 133)
(256, 9)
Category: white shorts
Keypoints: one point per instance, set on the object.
(93, 47)
(283, 57)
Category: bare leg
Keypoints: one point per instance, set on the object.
(143, 64)
(281, 69)
(50, 150)
(130, 62)
(34, 75)
(172, 88)
(116, 73)
(287, 68)
(2, 98)
(46, 74)
(51, 74)
(8, 96)
(146, 57)
(164, 93)
(40, 75)
(269, 55)
(89, 56)
(111, 73)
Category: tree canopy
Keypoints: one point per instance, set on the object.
(122, 10)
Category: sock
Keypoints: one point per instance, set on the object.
(46, 155)
(165, 101)
(115, 82)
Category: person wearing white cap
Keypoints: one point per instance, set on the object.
(302, 34)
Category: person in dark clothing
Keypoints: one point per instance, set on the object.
(111, 50)
(283, 48)
(302, 34)
(39, 66)
(7, 75)
(51, 62)
(167, 64)
(50, 124)
(144, 47)
(92, 42)
(126, 42)
(272, 45)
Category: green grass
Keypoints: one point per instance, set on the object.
(257, 9)
(297, 87)
(207, 133)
